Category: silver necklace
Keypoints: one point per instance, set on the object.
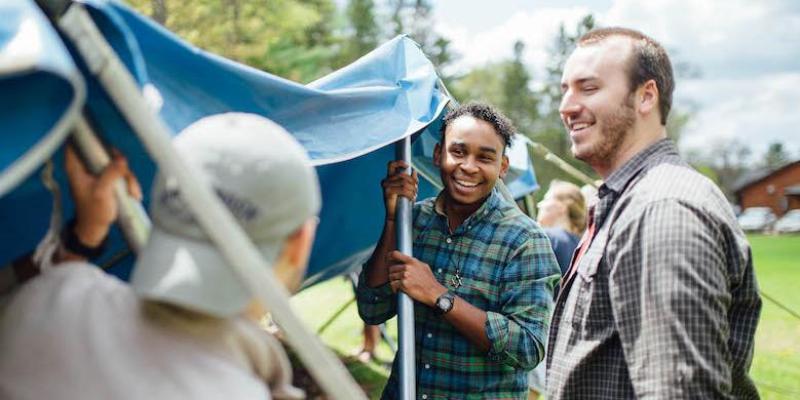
(455, 280)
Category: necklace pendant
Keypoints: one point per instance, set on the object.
(455, 281)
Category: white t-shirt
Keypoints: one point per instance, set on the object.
(77, 333)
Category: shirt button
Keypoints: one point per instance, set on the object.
(424, 396)
(430, 335)
(427, 366)
(439, 270)
(449, 240)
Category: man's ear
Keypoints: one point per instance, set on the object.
(648, 97)
(290, 267)
(504, 166)
(437, 155)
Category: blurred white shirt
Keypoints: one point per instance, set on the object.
(77, 333)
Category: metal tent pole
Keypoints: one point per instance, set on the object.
(405, 306)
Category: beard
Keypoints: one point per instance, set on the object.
(615, 127)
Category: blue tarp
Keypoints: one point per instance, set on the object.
(347, 121)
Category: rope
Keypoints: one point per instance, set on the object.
(793, 313)
(43, 256)
(793, 394)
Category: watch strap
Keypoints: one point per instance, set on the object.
(72, 243)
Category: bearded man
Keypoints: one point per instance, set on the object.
(660, 300)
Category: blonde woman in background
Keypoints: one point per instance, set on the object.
(562, 214)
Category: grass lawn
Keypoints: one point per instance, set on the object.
(776, 365)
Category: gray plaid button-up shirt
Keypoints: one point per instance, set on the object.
(664, 304)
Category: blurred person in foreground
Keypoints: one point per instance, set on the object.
(183, 328)
(482, 273)
(562, 215)
(660, 300)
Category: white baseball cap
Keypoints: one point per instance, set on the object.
(266, 180)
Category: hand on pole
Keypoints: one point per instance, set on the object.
(414, 278)
(398, 183)
(96, 207)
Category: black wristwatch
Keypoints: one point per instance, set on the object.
(72, 243)
(444, 303)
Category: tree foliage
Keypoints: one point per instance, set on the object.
(290, 38)
(298, 39)
(415, 19)
(548, 128)
(364, 33)
(776, 156)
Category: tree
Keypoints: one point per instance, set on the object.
(729, 159)
(518, 101)
(483, 84)
(776, 156)
(548, 129)
(159, 11)
(289, 38)
(364, 31)
(415, 19)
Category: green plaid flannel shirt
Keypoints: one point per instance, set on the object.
(507, 269)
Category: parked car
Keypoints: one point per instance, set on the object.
(790, 222)
(756, 219)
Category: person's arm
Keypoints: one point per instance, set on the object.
(375, 299)
(669, 298)
(95, 209)
(515, 335)
(518, 331)
(416, 279)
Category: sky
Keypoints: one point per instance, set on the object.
(747, 54)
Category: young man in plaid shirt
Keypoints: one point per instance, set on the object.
(482, 273)
(661, 300)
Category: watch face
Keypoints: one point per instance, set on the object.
(445, 303)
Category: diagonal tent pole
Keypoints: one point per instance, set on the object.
(75, 23)
(548, 155)
(405, 306)
(132, 219)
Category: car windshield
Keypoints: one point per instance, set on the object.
(752, 217)
(793, 215)
(756, 212)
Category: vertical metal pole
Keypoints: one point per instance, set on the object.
(405, 306)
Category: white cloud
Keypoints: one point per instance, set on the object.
(536, 29)
(757, 112)
(731, 38)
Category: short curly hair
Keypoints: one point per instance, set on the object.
(484, 112)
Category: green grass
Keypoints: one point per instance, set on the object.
(776, 363)
(318, 304)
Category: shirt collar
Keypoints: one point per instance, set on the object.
(491, 203)
(620, 178)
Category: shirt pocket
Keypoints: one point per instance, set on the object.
(591, 314)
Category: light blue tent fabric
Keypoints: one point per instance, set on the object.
(32, 60)
(347, 121)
